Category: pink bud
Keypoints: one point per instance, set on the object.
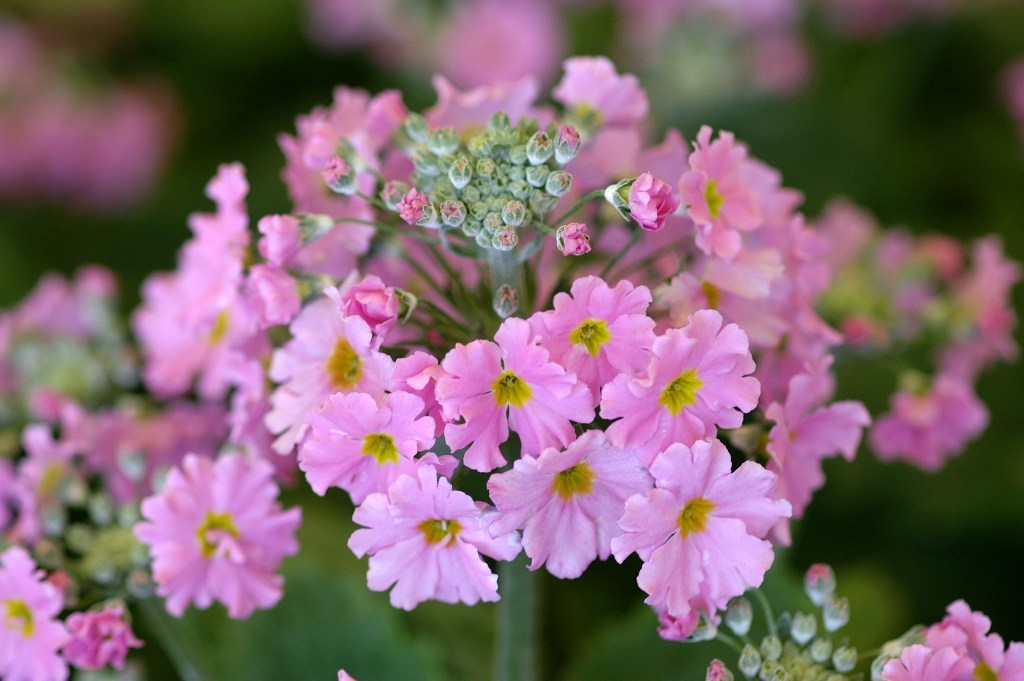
(572, 239)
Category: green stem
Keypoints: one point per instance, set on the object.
(185, 661)
(729, 641)
(586, 198)
(373, 201)
(390, 229)
(634, 237)
(515, 646)
(767, 607)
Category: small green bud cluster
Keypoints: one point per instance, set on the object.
(799, 646)
(492, 182)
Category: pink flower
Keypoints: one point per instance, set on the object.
(216, 532)
(472, 108)
(696, 380)
(920, 663)
(597, 331)
(281, 240)
(927, 428)
(510, 383)
(569, 502)
(99, 638)
(699, 532)
(594, 82)
(572, 239)
(30, 634)
(371, 300)
(273, 295)
(361, 447)
(426, 539)
(415, 208)
(417, 373)
(651, 201)
(328, 353)
(966, 630)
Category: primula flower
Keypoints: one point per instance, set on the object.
(569, 502)
(415, 208)
(30, 633)
(594, 84)
(509, 383)
(426, 539)
(651, 200)
(921, 663)
(699, 531)
(696, 380)
(273, 295)
(370, 299)
(572, 239)
(927, 428)
(361, 447)
(99, 638)
(597, 331)
(328, 353)
(216, 532)
(966, 630)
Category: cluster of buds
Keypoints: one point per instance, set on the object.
(798, 646)
(489, 184)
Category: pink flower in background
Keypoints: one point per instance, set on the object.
(273, 295)
(966, 630)
(700, 530)
(30, 633)
(99, 638)
(370, 299)
(361, 447)
(425, 539)
(651, 201)
(927, 428)
(920, 663)
(470, 108)
(567, 502)
(281, 239)
(696, 380)
(216, 532)
(597, 331)
(593, 82)
(328, 353)
(529, 32)
(510, 383)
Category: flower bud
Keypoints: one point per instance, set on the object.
(339, 176)
(771, 670)
(479, 145)
(426, 164)
(717, 671)
(618, 195)
(460, 172)
(537, 176)
(835, 613)
(416, 127)
(558, 183)
(819, 583)
(739, 616)
(705, 630)
(505, 238)
(567, 144)
(470, 195)
(803, 627)
(513, 214)
(393, 192)
(750, 661)
(541, 203)
(517, 155)
(453, 213)
(519, 189)
(416, 209)
(499, 121)
(483, 238)
(443, 141)
(539, 148)
(493, 221)
(844, 659)
(485, 167)
(572, 239)
(821, 650)
(506, 301)
(771, 648)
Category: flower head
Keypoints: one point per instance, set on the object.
(651, 200)
(99, 638)
(30, 633)
(572, 239)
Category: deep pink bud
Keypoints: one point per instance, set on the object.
(99, 638)
(651, 201)
(572, 239)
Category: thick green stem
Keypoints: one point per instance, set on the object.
(586, 198)
(174, 643)
(515, 645)
(506, 280)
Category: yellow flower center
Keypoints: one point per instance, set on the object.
(681, 392)
(982, 672)
(381, 447)
(712, 294)
(220, 328)
(18, 617)
(53, 475)
(510, 389)
(714, 199)
(217, 523)
(572, 481)
(437, 531)
(344, 366)
(592, 334)
(694, 516)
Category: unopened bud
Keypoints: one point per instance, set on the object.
(771, 670)
(460, 172)
(717, 671)
(771, 648)
(479, 145)
(416, 127)
(739, 616)
(506, 301)
(517, 154)
(513, 214)
(493, 221)
(618, 195)
(536, 176)
(426, 164)
(339, 176)
(539, 148)
(443, 141)
(485, 167)
(541, 203)
(519, 189)
(499, 121)
(505, 238)
(844, 659)
(407, 302)
(453, 213)
(803, 627)
(572, 239)
(750, 661)
(835, 613)
(821, 650)
(819, 583)
(567, 144)
(558, 183)
(393, 192)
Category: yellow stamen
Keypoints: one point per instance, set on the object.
(572, 481)
(694, 516)
(510, 389)
(18, 617)
(681, 392)
(436, 531)
(982, 672)
(714, 199)
(220, 328)
(344, 367)
(212, 522)
(592, 334)
(712, 294)
(381, 447)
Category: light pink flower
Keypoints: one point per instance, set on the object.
(699, 532)
(966, 630)
(651, 200)
(927, 428)
(281, 240)
(572, 239)
(473, 107)
(99, 638)
(594, 82)
(361, 447)
(30, 634)
(696, 380)
(328, 353)
(569, 502)
(216, 532)
(417, 373)
(370, 299)
(509, 383)
(414, 207)
(273, 295)
(597, 331)
(426, 539)
(920, 663)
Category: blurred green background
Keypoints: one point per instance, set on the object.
(911, 125)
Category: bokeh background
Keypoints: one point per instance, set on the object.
(900, 105)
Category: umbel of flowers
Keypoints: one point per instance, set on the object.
(653, 377)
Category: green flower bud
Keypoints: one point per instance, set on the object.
(460, 172)
(558, 183)
(416, 127)
(539, 149)
(443, 141)
(537, 175)
(453, 213)
(513, 213)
